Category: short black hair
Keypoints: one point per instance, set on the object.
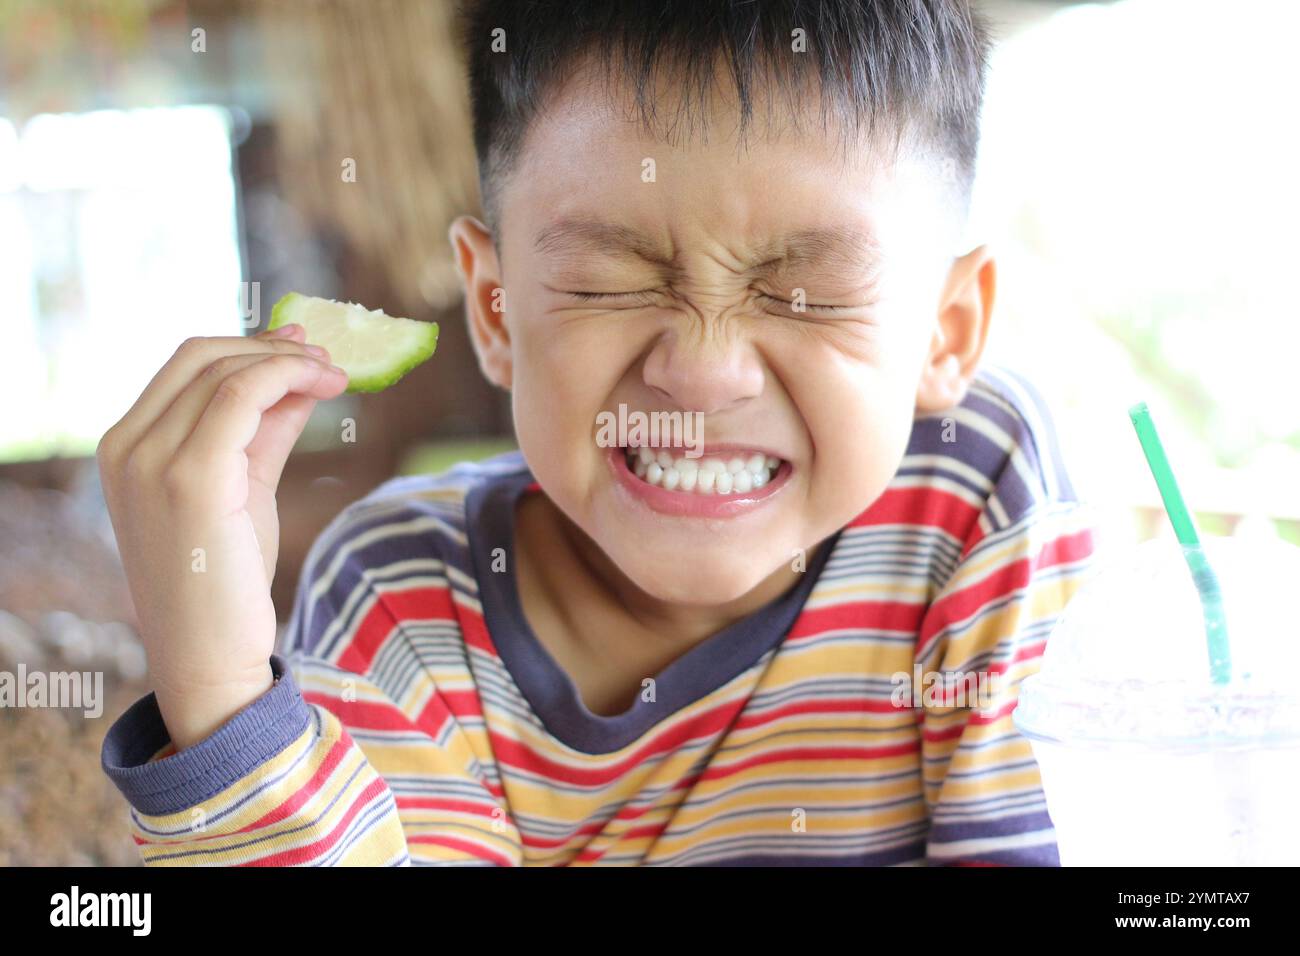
(884, 67)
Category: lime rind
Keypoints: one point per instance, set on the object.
(375, 349)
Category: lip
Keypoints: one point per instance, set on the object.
(690, 505)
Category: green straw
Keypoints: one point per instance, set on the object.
(1207, 583)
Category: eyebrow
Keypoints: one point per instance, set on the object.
(837, 248)
(844, 248)
(588, 235)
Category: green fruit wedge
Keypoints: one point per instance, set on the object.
(373, 348)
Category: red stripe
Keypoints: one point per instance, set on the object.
(465, 846)
(592, 828)
(843, 705)
(475, 633)
(425, 603)
(653, 831)
(901, 616)
(802, 754)
(510, 753)
(588, 829)
(371, 715)
(289, 806)
(938, 695)
(312, 850)
(462, 704)
(966, 603)
(1067, 549)
(450, 805)
(975, 719)
(362, 714)
(928, 506)
(338, 750)
(978, 719)
(439, 710)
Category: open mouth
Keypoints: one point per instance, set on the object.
(718, 473)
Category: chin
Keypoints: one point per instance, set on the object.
(696, 582)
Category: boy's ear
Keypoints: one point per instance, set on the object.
(485, 306)
(965, 308)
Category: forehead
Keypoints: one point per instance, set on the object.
(834, 247)
(592, 176)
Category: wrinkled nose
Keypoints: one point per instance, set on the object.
(706, 376)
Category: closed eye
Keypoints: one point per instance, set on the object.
(592, 296)
(644, 297)
(809, 306)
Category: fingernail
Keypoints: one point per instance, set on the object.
(335, 368)
(282, 331)
(316, 350)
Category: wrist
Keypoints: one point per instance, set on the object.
(193, 713)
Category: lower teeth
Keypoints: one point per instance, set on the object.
(711, 477)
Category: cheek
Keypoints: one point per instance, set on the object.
(859, 415)
(564, 375)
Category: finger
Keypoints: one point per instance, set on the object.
(292, 331)
(234, 414)
(190, 358)
(176, 423)
(284, 331)
(281, 425)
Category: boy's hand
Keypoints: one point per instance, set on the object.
(189, 476)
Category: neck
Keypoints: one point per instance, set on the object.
(570, 558)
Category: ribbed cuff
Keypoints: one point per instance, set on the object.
(237, 748)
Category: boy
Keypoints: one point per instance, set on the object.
(701, 652)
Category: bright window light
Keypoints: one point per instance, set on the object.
(120, 236)
(1138, 182)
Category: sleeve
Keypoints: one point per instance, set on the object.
(305, 775)
(281, 783)
(1022, 561)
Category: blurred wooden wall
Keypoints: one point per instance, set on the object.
(380, 83)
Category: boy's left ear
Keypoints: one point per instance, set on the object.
(965, 308)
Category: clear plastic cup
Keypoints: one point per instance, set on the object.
(1144, 760)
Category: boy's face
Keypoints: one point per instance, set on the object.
(830, 391)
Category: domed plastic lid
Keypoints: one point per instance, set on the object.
(1127, 663)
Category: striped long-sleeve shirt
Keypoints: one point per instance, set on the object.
(416, 718)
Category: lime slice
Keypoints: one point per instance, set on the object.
(373, 348)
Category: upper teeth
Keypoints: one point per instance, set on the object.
(706, 476)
